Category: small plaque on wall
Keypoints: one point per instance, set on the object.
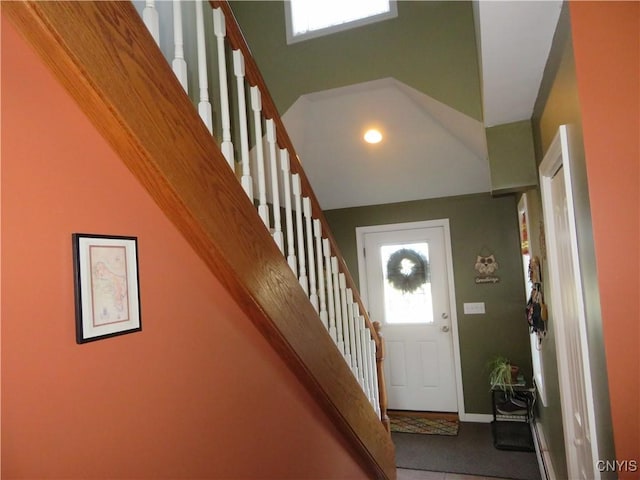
(486, 266)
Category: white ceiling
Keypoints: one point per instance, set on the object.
(429, 149)
(418, 158)
(514, 39)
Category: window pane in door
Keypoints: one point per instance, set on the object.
(414, 306)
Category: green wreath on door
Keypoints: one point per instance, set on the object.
(407, 270)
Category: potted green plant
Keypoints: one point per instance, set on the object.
(502, 374)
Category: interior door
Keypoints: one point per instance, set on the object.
(416, 319)
(569, 311)
(566, 312)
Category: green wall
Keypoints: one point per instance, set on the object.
(478, 223)
(549, 416)
(430, 46)
(558, 104)
(511, 157)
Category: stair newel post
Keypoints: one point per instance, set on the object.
(297, 197)
(288, 214)
(352, 334)
(220, 31)
(345, 318)
(326, 248)
(275, 190)
(382, 388)
(179, 64)
(151, 19)
(204, 107)
(317, 232)
(238, 70)
(336, 297)
(313, 293)
(366, 373)
(256, 106)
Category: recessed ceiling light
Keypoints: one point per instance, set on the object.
(373, 136)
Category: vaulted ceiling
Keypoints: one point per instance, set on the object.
(432, 80)
(429, 149)
(425, 148)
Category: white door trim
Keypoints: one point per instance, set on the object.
(557, 157)
(444, 223)
(536, 352)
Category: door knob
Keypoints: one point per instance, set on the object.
(445, 328)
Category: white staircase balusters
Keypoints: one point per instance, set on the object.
(364, 333)
(375, 400)
(308, 254)
(359, 353)
(313, 293)
(352, 334)
(345, 318)
(220, 31)
(151, 19)
(326, 250)
(317, 232)
(278, 237)
(179, 64)
(297, 197)
(371, 367)
(288, 215)
(238, 70)
(336, 297)
(256, 106)
(204, 106)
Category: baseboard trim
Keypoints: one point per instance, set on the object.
(542, 452)
(476, 417)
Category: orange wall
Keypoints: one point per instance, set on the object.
(197, 394)
(606, 39)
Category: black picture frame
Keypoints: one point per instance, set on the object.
(107, 286)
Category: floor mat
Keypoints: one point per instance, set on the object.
(427, 426)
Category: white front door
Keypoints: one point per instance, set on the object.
(566, 311)
(408, 287)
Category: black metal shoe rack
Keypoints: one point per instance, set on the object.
(512, 418)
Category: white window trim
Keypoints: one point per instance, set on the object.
(392, 13)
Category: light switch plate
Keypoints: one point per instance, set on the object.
(474, 308)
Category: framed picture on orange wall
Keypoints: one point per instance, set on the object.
(107, 290)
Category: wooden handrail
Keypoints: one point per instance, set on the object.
(151, 123)
(253, 75)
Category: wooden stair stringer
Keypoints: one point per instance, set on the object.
(150, 122)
